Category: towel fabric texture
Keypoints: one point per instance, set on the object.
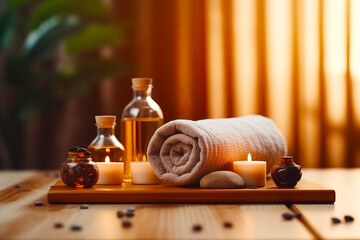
(181, 152)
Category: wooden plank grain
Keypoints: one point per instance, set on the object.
(20, 219)
(345, 182)
(9, 178)
(159, 222)
(249, 222)
(17, 204)
(31, 184)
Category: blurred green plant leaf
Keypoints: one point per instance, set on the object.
(7, 23)
(30, 104)
(38, 75)
(16, 3)
(27, 110)
(42, 42)
(96, 36)
(91, 10)
(18, 73)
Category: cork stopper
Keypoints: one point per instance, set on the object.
(105, 120)
(141, 83)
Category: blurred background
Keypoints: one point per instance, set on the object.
(64, 61)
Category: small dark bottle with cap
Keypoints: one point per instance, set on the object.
(286, 173)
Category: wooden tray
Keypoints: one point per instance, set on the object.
(304, 192)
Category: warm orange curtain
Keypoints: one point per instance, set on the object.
(297, 62)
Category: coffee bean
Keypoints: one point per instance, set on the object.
(75, 228)
(81, 150)
(73, 149)
(84, 206)
(120, 214)
(130, 209)
(58, 225)
(335, 220)
(126, 224)
(227, 225)
(39, 203)
(129, 214)
(197, 228)
(88, 154)
(348, 218)
(17, 185)
(287, 216)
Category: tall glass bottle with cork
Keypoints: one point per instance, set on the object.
(140, 119)
(106, 147)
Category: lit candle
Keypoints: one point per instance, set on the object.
(110, 172)
(142, 173)
(253, 172)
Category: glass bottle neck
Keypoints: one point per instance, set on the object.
(142, 93)
(106, 131)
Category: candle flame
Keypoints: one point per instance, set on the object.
(249, 157)
(107, 159)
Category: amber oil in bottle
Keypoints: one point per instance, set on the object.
(99, 154)
(138, 132)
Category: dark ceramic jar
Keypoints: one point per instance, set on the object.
(286, 173)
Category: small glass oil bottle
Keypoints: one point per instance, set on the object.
(105, 143)
(140, 119)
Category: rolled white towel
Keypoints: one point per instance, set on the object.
(181, 152)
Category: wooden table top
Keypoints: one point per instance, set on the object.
(20, 219)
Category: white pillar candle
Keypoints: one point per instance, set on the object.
(142, 173)
(110, 172)
(253, 172)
